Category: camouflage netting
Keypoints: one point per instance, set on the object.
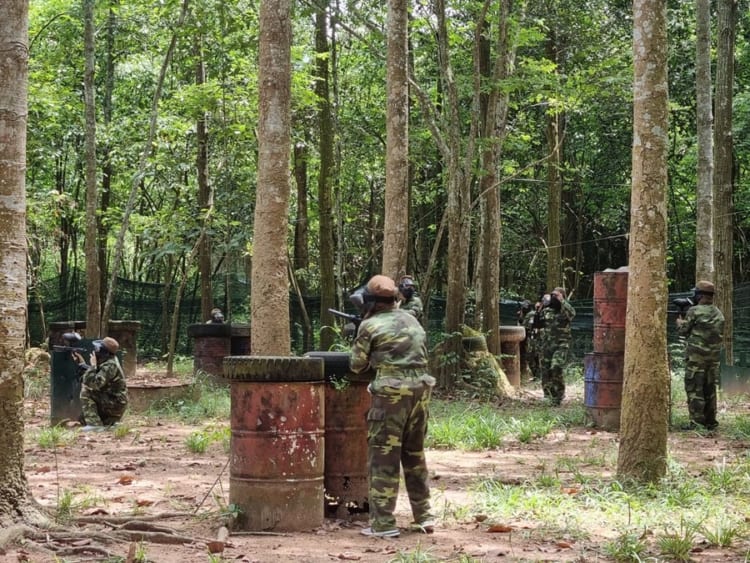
(152, 304)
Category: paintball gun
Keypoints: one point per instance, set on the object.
(356, 319)
(353, 319)
(70, 339)
(683, 304)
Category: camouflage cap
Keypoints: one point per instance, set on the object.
(111, 344)
(705, 287)
(382, 286)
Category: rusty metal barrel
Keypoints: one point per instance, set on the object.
(278, 441)
(510, 347)
(603, 369)
(346, 406)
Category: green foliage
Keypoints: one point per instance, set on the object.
(199, 441)
(55, 436)
(677, 544)
(207, 401)
(628, 547)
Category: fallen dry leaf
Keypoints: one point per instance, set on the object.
(499, 529)
(125, 480)
(563, 545)
(480, 517)
(144, 502)
(570, 490)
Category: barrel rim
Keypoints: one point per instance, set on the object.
(273, 368)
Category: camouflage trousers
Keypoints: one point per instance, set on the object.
(553, 382)
(397, 424)
(101, 409)
(701, 377)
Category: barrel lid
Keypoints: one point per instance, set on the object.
(272, 368)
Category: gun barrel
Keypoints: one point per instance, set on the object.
(347, 316)
(69, 349)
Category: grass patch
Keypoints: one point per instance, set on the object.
(572, 496)
(55, 436)
(210, 402)
(199, 441)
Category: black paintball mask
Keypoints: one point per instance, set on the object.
(365, 301)
(406, 287)
(100, 351)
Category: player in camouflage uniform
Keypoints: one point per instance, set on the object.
(410, 301)
(104, 394)
(555, 345)
(393, 343)
(533, 322)
(703, 326)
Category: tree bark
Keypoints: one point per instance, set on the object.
(494, 133)
(93, 290)
(325, 180)
(15, 498)
(270, 334)
(645, 396)
(107, 166)
(205, 191)
(396, 223)
(723, 216)
(704, 236)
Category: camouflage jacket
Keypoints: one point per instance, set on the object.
(557, 323)
(413, 306)
(390, 341)
(704, 329)
(107, 378)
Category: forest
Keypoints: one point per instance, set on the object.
(492, 149)
(172, 103)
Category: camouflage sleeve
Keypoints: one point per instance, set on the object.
(568, 310)
(687, 327)
(360, 355)
(98, 379)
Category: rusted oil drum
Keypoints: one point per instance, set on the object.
(602, 377)
(346, 405)
(211, 344)
(603, 370)
(510, 347)
(278, 443)
(610, 307)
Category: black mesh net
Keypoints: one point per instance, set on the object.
(153, 305)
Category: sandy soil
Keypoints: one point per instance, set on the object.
(150, 471)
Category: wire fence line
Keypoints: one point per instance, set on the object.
(152, 304)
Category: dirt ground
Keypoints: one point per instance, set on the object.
(150, 471)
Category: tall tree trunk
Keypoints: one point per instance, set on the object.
(301, 258)
(396, 223)
(205, 191)
(325, 180)
(93, 290)
(494, 132)
(723, 223)
(301, 232)
(15, 499)
(645, 397)
(107, 167)
(554, 186)
(270, 334)
(704, 239)
(458, 217)
(138, 176)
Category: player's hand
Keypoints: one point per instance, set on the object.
(77, 357)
